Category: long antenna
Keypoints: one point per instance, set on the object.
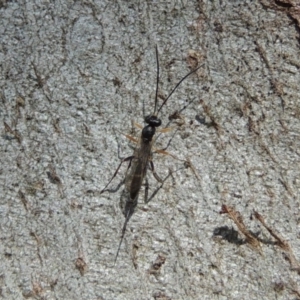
(157, 80)
(177, 85)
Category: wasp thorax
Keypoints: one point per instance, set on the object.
(153, 121)
(148, 133)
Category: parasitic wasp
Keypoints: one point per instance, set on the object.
(141, 160)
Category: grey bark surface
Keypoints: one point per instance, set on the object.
(74, 75)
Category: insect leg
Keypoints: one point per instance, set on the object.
(157, 189)
(146, 190)
(153, 171)
(117, 170)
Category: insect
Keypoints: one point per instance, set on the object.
(141, 159)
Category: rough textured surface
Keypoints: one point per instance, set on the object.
(73, 77)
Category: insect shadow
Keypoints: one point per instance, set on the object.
(141, 160)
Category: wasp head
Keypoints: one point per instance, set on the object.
(149, 130)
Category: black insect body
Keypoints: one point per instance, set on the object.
(141, 159)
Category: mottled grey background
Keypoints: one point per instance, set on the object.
(74, 75)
